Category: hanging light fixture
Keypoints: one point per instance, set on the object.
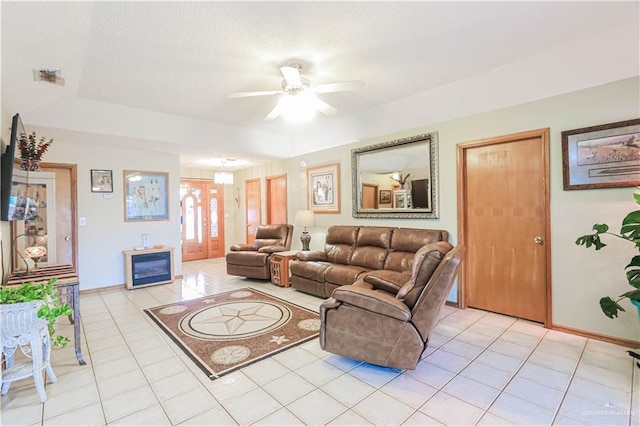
(222, 177)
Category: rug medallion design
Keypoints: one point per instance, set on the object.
(231, 330)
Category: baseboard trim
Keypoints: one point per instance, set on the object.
(96, 290)
(116, 286)
(452, 304)
(597, 336)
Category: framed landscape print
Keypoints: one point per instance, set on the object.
(146, 196)
(323, 191)
(604, 156)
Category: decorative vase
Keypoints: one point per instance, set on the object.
(24, 164)
(35, 166)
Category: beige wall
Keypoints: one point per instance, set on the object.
(579, 277)
(106, 234)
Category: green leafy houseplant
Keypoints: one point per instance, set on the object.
(50, 310)
(630, 231)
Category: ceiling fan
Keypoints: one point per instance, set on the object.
(300, 88)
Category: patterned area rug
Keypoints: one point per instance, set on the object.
(231, 330)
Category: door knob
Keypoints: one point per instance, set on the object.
(67, 238)
(537, 240)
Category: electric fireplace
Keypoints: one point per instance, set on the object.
(148, 267)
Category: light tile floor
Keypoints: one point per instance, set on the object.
(479, 368)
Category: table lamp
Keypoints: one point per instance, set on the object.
(305, 218)
(35, 253)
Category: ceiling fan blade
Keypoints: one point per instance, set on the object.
(291, 75)
(339, 87)
(248, 94)
(275, 112)
(324, 107)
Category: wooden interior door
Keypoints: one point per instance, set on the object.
(503, 202)
(253, 207)
(369, 196)
(66, 199)
(276, 199)
(202, 219)
(193, 222)
(215, 219)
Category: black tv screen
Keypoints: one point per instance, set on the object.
(13, 188)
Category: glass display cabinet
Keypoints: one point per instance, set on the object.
(34, 241)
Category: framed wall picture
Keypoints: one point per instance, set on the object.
(146, 195)
(323, 191)
(385, 196)
(101, 180)
(604, 156)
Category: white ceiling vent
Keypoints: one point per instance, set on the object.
(49, 75)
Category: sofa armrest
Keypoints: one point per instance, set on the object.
(389, 281)
(242, 247)
(370, 300)
(271, 249)
(310, 256)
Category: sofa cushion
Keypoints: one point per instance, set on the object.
(264, 242)
(405, 242)
(339, 243)
(312, 256)
(310, 270)
(272, 232)
(426, 261)
(389, 281)
(242, 247)
(247, 258)
(272, 249)
(407, 239)
(343, 274)
(372, 247)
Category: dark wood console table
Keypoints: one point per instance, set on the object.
(68, 285)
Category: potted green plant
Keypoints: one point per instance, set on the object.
(629, 231)
(50, 310)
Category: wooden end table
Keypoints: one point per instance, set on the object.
(279, 266)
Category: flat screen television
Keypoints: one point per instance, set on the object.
(13, 186)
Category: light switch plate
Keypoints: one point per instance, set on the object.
(145, 241)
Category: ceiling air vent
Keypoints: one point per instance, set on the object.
(49, 75)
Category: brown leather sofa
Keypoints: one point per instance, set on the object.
(386, 322)
(252, 261)
(352, 251)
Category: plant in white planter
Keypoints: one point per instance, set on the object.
(51, 309)
(629, 231)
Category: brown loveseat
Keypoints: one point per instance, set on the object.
(252, 261)
(351, 251)
(388, 323)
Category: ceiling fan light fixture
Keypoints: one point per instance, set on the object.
(300, 102)
(298, 108)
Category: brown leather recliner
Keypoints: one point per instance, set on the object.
(252, 261)
(386, 323)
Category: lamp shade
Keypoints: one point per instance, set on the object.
(305, 218)
(35, 251)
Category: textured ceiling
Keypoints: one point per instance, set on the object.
(144, 63)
